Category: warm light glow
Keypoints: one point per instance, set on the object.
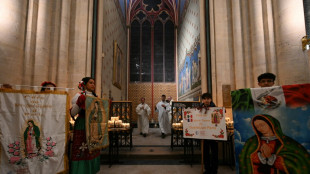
(7, 14)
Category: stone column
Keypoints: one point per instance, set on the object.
(246, 41)
(176, 61)
(30, 42)
(238, 46)
(12, 28)
(99, 53)
(63, 54)
(42, 50)
(213, 53)
(89, 28)
(79, 44)
(223, 47)
(257, 39)
(203, 47)
(128, 60)
(290, 28)
(56, 15)
(271, 59)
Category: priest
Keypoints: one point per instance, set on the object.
(143, 110)
(163, 108)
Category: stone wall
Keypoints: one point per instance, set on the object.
(249, 38)
(52, 41)
(113, 28)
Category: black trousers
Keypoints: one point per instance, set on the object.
(210, 156)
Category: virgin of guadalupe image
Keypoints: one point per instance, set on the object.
(95, 119)
(215, 118)
(32, 140)
(271, 151)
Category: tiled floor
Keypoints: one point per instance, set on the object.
(153, 155)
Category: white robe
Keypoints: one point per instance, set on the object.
(143, 117)
(163, 117)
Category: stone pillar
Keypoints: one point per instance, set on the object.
(257, 39)
(223, 47)
(246, 44)
(79, 44)
(63, 54)
(55, 39)
(128, 60)
(89, 28)
(30, 42)
(42, 50)
(212, 49)
(12, 28)
(238, 46)
(99, 57)
(203, 47)
(290, 28)
(271, 58)
(176, 62)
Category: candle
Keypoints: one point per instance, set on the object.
(118, 123)
(110, 123)
(115, 118)
(126, 125)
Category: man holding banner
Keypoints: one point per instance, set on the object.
(210, 147)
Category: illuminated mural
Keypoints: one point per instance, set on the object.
(189, 75)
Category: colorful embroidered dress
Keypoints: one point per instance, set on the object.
(288, 156)
(82, 161)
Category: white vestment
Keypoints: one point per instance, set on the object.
(143, 111)
(163, 116)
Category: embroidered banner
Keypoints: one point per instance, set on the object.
(33, 132)
(272, 129)
(204, 124)
(97, 115)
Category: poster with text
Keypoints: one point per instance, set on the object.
(33, 131)
(272, 129)
(204, 124)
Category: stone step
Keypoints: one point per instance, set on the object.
(154, 155)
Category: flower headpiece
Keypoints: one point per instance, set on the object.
(82, 87)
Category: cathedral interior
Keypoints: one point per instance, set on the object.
(146, 48)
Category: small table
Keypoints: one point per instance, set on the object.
(177, 140)
(116, 141)
(177, 137)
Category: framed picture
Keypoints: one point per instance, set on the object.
(117, 65)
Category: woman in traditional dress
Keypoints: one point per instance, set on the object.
(32, 140)
(82, 161)
(270, 151)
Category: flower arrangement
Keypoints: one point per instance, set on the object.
(221, 135)
(49, 149)
(15, 155)
(187, 133)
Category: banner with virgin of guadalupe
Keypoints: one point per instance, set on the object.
(97, 115)
(272, 129)
(33, 131)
